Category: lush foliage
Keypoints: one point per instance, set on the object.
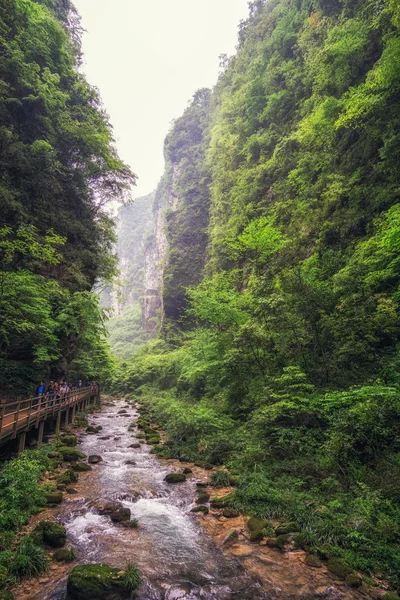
(284, 366)
(58, 169)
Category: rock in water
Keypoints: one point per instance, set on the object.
(96, 582)
(175, 478)
(51, 533)
(94, 459)
(123, 514)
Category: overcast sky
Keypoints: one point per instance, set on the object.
(148, 57)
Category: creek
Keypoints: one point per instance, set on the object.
(178, 559)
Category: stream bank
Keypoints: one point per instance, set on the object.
(180, 555)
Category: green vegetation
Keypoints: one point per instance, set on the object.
(278, 354)
(58, 169)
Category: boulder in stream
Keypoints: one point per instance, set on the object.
(51, 533)
(130, 462)
(54, 497)
(94, 459)
(175, 478)
(80, 467)
(135, 445)
(97, 582)
(122, 514)
(70, 454)
(106, 507)
(200, 508)
(122, 412)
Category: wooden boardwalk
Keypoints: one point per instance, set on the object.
(17, 418)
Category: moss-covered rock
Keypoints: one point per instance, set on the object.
(122, 514)
(68, 477)
(80, 467)
(313, 561)
(94, 459)
(64, 555)
(69, 440)
(202, 497)
(230, 513)
(255, 524)
(187, 471)
(282, 541)
(93, 428)
(70, 454)
(257, 535)
(221, 502)
(175, 478)
(287, 528)
(200, 508)
(300, 541)
(54, 497)
(51, 533)
(326, 551)
(339, 567)
(353, 580)
(95, 582)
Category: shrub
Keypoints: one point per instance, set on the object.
(29, 560)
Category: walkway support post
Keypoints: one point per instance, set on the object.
(40, 434)
(58, 423)
(21, 442)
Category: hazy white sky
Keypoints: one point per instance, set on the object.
(148, 57)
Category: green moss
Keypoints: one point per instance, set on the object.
(67, 477)
(283, 540)
(63, 555)
(257, 535)
(255, 524)
(54, 497)
(287, 528)
(353, 580)
(51, 533)
(175, 478)
(200, 508)
(70, 454)
(80, 467)
(69, 440)
(230, 513)
(313, 561)
(94, 582)
(339, 567)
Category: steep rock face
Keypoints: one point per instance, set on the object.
(166, 198)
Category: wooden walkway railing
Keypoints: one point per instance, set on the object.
(17, 418)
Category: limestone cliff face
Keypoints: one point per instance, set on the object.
(166, 199)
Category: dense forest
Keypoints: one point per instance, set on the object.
(278, 349)
(58, 170)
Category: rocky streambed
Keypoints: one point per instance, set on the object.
(181, 554)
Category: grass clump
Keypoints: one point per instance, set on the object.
(29, 560)
(131, 577)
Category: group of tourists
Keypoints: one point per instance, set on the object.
(59, 391)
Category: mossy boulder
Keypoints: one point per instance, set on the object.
(353, 580)
(64, 555)
(200, 508)
(95, 582)
(54, 497)
(256, 536)
(326, 551)
(312, 560)
(93, 429)
(175, 478)
(287, 528)
(255, 524)
(70, 454)
(282, 541)
(51, 533)
(339, 567)
(69, 476)
(230, 513)
(187, 471)
(94, 459)
(202, 497)
(300, 541)
(69, 440)
(122, 514)
(80, 467)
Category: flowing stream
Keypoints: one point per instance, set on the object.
(176, 557)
